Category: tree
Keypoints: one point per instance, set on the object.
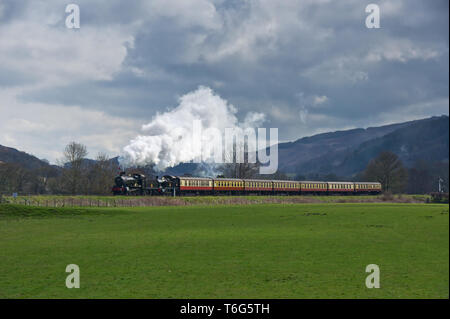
(15, 178)
(387, 169)
(73, 175)
(420, 178)
(101, 175)
(232, 169)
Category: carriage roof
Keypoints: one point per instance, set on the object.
(195, 178)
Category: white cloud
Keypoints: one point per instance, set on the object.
(60, 55)
(44, 130)
(401, 50)
(186, 13)
(317, 100)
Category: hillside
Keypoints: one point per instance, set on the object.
(12, 155)
(347, 153)
(343, 153)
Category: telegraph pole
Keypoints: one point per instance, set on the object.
(440, 180)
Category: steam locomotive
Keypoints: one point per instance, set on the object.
(136, 184)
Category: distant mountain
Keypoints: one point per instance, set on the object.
(12, 155)
(294, 154)
(343, 153)
(346, 153)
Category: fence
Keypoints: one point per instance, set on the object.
(79, 201)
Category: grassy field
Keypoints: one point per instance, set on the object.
(251, 251)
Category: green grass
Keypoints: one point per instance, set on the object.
(252, 251)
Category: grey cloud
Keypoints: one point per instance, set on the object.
(260, 55)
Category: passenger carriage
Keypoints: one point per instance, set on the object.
(313, 187)
(200, 185)
(287, 187)
(258, 186)
(367, 188)
(228, 185)
(340, 188)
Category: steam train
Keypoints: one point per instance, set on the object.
(136, 184)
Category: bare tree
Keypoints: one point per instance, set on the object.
(101, 175)
(15, 178)
(233, 169)
(73, 175)
(388, 170)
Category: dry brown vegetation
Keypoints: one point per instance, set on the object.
(127, 201)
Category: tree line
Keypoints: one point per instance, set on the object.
(74, 175)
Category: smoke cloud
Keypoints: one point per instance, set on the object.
(168, 138)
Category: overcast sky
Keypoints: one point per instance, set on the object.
(310, 66)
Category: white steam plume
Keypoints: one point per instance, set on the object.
(168, 138)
